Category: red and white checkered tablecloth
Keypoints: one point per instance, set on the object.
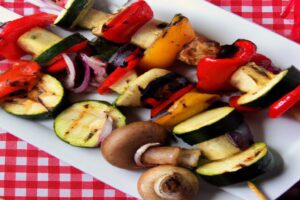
(29, 173)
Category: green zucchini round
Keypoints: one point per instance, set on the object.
(44, 58)
(281, 84)
(81, 124)
(208, 125)
(74, 10)
(44, 101)
(244, 166)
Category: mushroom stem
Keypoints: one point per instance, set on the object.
(169, 186)
(168, 182)
(171, 156)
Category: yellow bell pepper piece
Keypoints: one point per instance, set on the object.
(187, 106)
(164, 50)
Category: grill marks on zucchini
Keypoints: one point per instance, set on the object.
(43, 101)
(273, 90)
(244, 166)
(208, 125)
(83, 123)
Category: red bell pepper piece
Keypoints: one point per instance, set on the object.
(233, 102)
(74, 49)
(61, 3)
(14, 29)
(278, 108)
(132, 61)
(152, 102)
(155, 111)
(57, 66)
(214, 74)
(22, 75)
(122, 27)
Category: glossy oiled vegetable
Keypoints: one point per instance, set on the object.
(244, 166)
(280, 85)
(74, 10)
(175, 36)
(228, 144)
(87, 123)
(187, 106)
(208, 125)
(46, 99)
(38, 40)
(132, 95)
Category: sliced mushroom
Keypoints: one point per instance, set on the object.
(167, 182)
(140, 144)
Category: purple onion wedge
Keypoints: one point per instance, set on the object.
(241, 137)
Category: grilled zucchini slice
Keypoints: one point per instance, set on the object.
(72, 13)
(58, 48)
(83, 123)
(244, 166)
(281, 84)
(208, 125)
(45, 100)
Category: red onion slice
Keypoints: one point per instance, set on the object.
(241, 137)
(139, 153)
(98, 66)
(106, 130)
(70, 80)
(86, 80)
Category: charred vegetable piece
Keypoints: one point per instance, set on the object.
(281, 84)
(87, 123)
(176, 35)
(104, 49)
(123, 83)
(14, 29)
(244, 166)
(73, 11)
(132, 95)
(38, 40)
(94, 20)
(197, 49)
(160, 89)
(121, 27)
(20, 78)
(124, 60)
(251, 77)
(68, 44)
(228, 144)
(228, 60)
(45, 100)
(187, 106)
(208, 125)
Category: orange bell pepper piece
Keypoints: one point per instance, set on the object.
(164, 50)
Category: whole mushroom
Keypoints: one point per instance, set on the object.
(143, 144)
(167, 182)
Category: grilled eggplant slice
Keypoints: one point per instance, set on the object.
(244, 166)
(85, 124)
(208, 125)
(45, 100)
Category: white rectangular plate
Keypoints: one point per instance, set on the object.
(281, 135)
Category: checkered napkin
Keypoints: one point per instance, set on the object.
(29, 173)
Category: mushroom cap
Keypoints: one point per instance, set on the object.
(121, 145)
(172, 183)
